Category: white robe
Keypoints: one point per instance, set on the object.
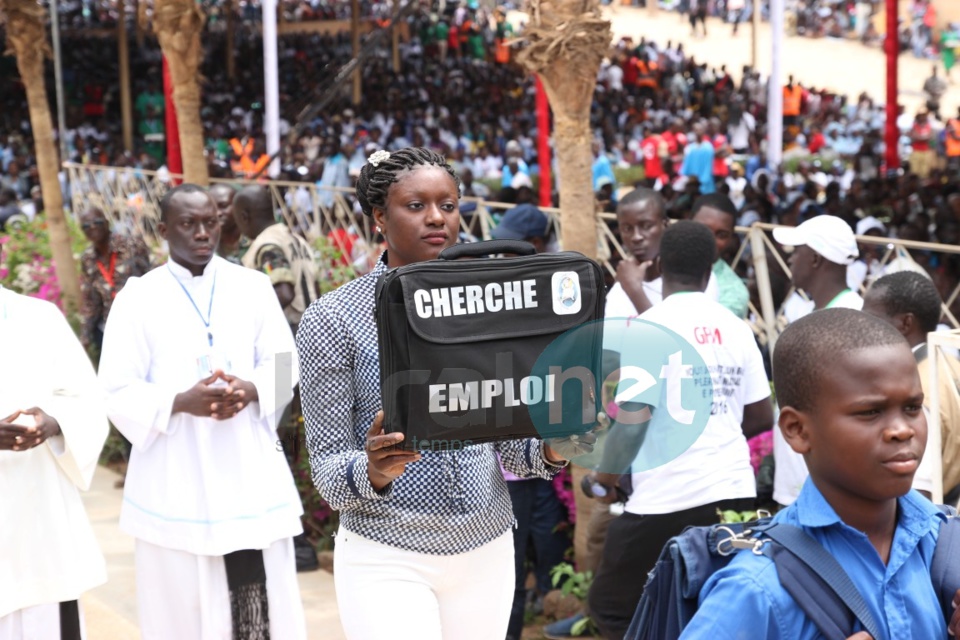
(50, 554)
(194, 484)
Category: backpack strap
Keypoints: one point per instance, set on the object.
(818, 583)
(944, 569)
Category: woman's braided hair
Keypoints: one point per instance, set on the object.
(374, 181)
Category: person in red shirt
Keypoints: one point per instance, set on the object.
(453, 40)
(721, 147)
(630, 72)
(676, 141)
(923, 157)
(817, 140)
(654, 150)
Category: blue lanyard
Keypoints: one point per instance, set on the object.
(206, 321)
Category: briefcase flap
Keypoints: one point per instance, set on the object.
(495, 299)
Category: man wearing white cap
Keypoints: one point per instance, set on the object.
(823, 247)
(867, 267)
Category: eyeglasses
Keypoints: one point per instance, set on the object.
(86, 226)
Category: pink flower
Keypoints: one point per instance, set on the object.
(760, 447)
(562, 486)
(612, 410)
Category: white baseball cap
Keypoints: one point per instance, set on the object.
(868, 224)
(829, 236)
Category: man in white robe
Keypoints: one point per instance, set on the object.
(52, 427)
(198, 365)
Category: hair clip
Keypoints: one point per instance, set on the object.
(377, 157)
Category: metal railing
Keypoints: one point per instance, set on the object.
(130, 198)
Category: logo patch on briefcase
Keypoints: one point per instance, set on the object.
(566, 293)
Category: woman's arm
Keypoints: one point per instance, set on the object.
(338, 461)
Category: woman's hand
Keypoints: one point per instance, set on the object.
(385, 459)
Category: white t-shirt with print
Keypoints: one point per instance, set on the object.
(717, 466)
(619, 304)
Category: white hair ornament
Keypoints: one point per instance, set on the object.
(377, 157)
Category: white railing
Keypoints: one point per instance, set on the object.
(130, 198)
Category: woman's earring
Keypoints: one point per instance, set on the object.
(379, 230)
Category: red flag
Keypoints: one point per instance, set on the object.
(174, 161)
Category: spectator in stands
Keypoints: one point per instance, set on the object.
(718, 213)
(233, 244)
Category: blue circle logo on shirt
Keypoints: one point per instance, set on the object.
(647, 404)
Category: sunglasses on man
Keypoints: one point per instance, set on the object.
(86, 226)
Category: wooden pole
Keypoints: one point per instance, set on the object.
(762, 272)
(757, 9)
(26, 36)
(137, 25)
(395, 39)
(231, 43)
(355, 41)
(179, 25)
(126, 105)
(934, 434)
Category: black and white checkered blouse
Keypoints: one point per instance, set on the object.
(448, 502)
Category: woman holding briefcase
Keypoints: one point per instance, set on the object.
(425, 536)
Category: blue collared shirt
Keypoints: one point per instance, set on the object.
(745, 600)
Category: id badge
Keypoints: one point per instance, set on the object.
(207, 364)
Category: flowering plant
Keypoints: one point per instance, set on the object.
(26, 262)
(563, 487)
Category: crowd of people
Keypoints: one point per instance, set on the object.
(189, 365)
(87, 15)
(190, 370)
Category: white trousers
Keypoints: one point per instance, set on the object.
(40, 622)
(386, 593)
(183, 596)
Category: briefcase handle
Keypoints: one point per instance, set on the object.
(486, 248)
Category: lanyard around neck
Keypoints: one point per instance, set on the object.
(109, 274)
(835, 298)
(213, 289)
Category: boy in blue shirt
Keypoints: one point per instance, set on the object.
(852, 405)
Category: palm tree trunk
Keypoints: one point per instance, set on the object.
(566, 42)
(178, 25)
(26, 36)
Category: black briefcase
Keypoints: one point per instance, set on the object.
(490, 349)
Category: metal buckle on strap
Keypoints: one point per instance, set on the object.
(734, 542)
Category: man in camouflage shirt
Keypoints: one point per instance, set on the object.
(105, 266)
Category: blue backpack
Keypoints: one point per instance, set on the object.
(813, 577)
